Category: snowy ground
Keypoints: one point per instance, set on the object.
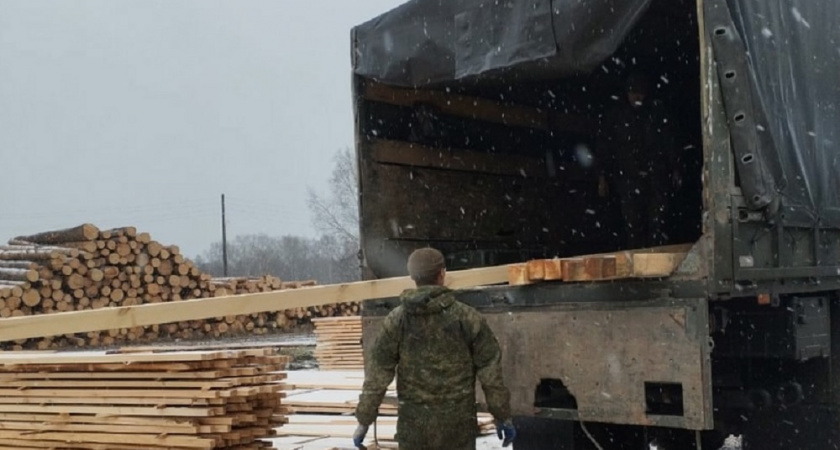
(300, 443)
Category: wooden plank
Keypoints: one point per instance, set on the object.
(162, 396)
(150, 383)
(103, 357)
(326, 321)
(113, 428)
(145, 375)
(339, 342)
(114, 410)
(309, 425)
(332, 430)
(593, 268)
(127, 401)
(623, 264)
(553, 269)
(329, 380)
(187, 424)
(518, 275)
(416, 155)
(656, 264)
(250, 346)
(18, 444)
(329, 401)
(573, 269)
(536, 270)
(103, 438)
(478, 108)
(26, 327)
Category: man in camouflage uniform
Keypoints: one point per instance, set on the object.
(436, 346)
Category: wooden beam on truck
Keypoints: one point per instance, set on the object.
(416, 155)
(656, 262)
(26, 327)
(478, 108)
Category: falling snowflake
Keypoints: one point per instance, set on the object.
(798, 16)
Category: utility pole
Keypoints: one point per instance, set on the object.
(224, 238)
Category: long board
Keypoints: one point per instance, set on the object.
(14, 328)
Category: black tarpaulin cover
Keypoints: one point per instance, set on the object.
(430, 41)
(793, 48)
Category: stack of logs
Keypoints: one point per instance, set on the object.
(86, 268)
(290, 317)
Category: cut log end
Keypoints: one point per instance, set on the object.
(31, 298)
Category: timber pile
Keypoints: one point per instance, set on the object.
(657, 262)
(85, 268)
(143, 400)
(338, 343)
(289, 317)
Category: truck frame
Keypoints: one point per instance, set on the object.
(462, 155)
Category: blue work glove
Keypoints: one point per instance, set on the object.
(506, 432)
(359, 436)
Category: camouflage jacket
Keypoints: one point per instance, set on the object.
(437, 347)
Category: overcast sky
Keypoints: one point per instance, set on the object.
(143, 112)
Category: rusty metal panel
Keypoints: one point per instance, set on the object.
(604, 353)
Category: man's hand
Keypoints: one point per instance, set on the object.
(603, 187)
(359, 436)
(506, 432)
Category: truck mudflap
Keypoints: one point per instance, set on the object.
(634, 363)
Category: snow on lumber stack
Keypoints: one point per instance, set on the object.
(200, 399)
(338, 344)
(85, 268)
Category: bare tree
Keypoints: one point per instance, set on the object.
(329, 259)
(336, 214)
(290, 258)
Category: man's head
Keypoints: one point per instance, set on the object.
(638, 88)
(426, 266)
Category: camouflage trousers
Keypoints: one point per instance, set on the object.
(437, 427)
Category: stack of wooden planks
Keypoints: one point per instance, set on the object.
(197, 399)
(321, 406)
(330, 392)
(83, 268)
(656, 262)
(338, 344)
(344, 426)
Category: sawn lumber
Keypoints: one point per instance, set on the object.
(15, 328)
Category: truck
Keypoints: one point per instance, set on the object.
(477, 129)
